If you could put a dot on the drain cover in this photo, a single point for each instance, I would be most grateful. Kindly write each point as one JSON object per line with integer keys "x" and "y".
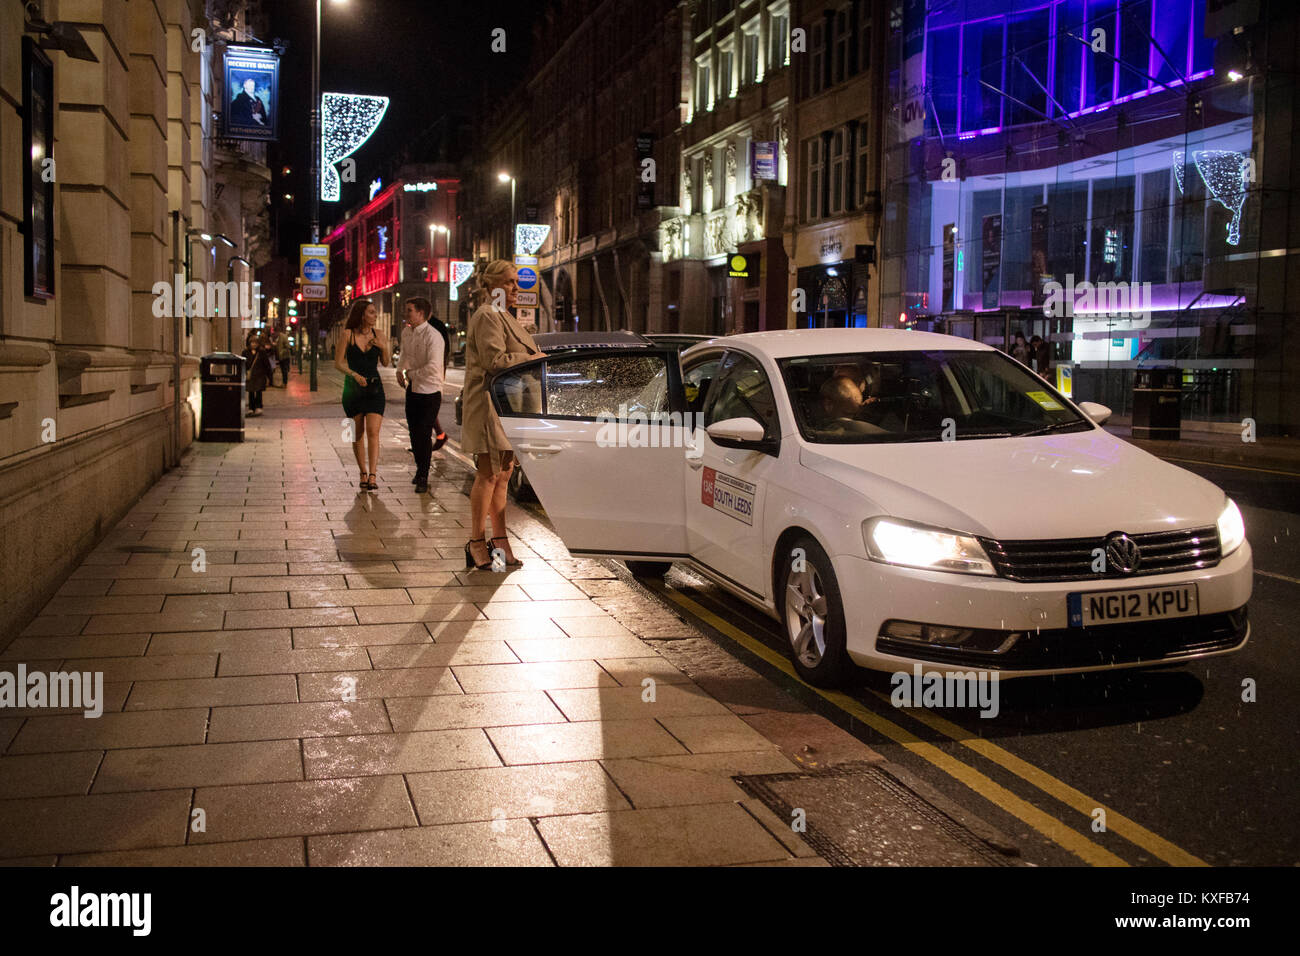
{"x": 858, "y": 815}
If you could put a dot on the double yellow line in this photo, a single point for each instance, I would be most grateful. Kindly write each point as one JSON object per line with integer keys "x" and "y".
{"x": 1046, "y": 824}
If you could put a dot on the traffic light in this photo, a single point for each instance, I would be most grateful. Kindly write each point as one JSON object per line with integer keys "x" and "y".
{"x": 297, "y": 297}
{"x": 293, "y": 320}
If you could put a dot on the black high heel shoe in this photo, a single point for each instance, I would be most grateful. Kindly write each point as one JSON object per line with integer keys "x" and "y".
{"x": 515, "y": 562}
{"x": 469, "y": 557}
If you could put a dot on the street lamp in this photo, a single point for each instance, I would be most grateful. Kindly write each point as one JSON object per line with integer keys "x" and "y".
{"x": 314, "y": 307}
{"x": 206, "y": 238}
{"x": 230, "y": 277}
{"x": 507, "y": 178}
{"x": 434, "y": 229}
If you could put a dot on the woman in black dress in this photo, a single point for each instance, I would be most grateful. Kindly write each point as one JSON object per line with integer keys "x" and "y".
{"x": 257, "y": 366}
{"x": 360, "y": 350}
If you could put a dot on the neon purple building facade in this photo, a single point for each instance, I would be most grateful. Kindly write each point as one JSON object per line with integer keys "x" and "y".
{"x": 1132, "y": 153}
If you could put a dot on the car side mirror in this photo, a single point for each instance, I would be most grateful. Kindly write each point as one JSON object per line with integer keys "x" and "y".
{"x": 1097, "y": 412}
{"x": 736, "y": 430}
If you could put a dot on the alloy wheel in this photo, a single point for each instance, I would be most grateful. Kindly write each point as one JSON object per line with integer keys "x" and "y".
{"x": 805, "y": 615}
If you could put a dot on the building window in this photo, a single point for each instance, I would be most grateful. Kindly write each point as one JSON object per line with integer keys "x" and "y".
{"x": 861, "y": 164}
{"x": 838, "y": 173}
{"x": 816, "y": 166}
{"x": 749, "y": 54}
{"x": 778, "y": 37}
{"x": 720, "y": 183}
{"x": 726, "y": 62}
{"x": 817, "y": 59}
{"x": 864, "y": 36}
{"x": 703, "y": 101}
{"x": 843, "y": 36}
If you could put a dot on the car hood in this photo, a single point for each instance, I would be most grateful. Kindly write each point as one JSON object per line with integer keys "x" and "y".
{"x": 1074, "y": 485}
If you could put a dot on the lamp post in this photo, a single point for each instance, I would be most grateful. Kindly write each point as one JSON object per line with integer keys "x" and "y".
{"x": 313, "y": 308}
{"x": 507, "y": 178}
{"x": 190, "y": 235}
{"x": 230, "y": 277}
{"x": 434, "y": 229}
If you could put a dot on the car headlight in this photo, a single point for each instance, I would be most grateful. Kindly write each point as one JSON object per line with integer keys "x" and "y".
{"x": 918, "y": 546}
{"x": 1232, "y": 530}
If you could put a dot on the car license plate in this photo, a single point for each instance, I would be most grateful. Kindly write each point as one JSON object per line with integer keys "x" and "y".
{"x": 1092, "y": 608}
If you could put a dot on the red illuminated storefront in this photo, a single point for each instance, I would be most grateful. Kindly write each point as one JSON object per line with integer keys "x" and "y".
{"x": 398, "y": 245}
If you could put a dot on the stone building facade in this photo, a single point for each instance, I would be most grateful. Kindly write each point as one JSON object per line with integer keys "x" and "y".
{"x": 833, "y": 214}
{"x": 87, "y": 374}
{"x": 735, "y": 168}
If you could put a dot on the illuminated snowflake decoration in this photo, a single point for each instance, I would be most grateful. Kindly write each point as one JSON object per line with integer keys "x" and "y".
{"x": 460, "y": 271}
{"x": 1224, "y": 173}
{"x": 529, "y": 238}
{"x": 347, "y": 121}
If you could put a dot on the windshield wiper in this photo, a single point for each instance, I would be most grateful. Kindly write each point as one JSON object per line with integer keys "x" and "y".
{"x": 1050, "y": 428}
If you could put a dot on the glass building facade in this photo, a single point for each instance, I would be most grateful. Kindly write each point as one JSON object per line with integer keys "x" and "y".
{"x": 1097, "y": 173}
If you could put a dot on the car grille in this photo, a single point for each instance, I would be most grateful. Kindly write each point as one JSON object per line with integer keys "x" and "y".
{"x": 1071, "y": 559}
{"x": 1133, "y": 643}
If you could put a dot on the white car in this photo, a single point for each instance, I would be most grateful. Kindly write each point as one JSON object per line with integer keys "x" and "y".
{"x": 892, "y": 497}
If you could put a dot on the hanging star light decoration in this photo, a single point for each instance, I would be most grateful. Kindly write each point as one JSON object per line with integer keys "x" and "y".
{"x": 1224, "y": 174}
{"x": 460, "y": 271}
{"x": 529, "y": 237}
{"x": 347, "y": 121}
{"x": 1180, "y": 162}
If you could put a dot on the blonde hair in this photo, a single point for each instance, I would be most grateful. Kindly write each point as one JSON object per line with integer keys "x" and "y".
{"x": 493, "y": 271}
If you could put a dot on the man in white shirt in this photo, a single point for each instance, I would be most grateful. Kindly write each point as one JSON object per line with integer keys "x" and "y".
{"x": 419, "y": 371}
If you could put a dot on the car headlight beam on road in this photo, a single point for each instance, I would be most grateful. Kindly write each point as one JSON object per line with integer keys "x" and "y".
{"x": 1232, "y": 529}
{"x": 917, "y": 546}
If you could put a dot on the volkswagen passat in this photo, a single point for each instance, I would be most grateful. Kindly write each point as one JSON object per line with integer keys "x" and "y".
{"x": 891, "y": 497}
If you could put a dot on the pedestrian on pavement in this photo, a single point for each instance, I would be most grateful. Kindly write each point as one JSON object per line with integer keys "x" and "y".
{"x": 1040, "y": 354}
{"x": 358, "y": 354}
{"x": 495, "y": 340}
{"x": 440, "y": 436}
{"x": 282, "y": 355}
{"x": 420, "y": 372}
{"x": 1020, "y": 349}
{"x": 257, "y": 366}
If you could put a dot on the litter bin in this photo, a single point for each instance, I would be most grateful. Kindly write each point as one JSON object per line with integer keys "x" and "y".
{"x": 1158, "y": 403}
{"x": 221, "y": 376}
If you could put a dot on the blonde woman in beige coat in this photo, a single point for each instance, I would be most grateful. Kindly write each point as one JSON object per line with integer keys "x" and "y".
{"x": 495, "y": 340}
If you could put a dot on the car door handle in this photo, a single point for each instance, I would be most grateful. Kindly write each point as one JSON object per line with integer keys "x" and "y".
{"x": 541, "y": 449}
{"x": 696, "y": 461}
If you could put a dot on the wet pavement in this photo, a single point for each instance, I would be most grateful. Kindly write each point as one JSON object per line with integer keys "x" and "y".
{"x": 296, "y": 672}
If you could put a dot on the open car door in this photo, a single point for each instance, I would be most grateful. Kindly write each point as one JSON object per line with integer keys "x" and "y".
{"x": 603, "y": 436}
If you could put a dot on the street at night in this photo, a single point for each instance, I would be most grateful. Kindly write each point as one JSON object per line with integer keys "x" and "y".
{"x": 649, "y": 434}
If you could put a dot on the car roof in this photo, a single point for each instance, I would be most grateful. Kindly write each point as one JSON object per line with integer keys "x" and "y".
{"x": 548, "y": 341}
{"x": 788, "y": 343}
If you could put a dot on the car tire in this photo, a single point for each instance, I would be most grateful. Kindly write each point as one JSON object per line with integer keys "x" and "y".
{"x": 648, "y": 569}
{"x": 812, "y": 613}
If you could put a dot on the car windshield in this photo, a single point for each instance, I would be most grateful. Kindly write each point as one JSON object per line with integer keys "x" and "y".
{"x": 952, "y": 395}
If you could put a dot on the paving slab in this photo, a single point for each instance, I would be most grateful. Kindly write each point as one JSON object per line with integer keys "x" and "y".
{"x": 334, "y": 687}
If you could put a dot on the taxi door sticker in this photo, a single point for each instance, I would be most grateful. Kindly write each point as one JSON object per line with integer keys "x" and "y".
{"x": 727, "y": 494}
{"x": 1046, "y": 401}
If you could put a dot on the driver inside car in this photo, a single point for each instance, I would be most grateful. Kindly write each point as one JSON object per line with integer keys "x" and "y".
{"x": 842, "y": 404}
